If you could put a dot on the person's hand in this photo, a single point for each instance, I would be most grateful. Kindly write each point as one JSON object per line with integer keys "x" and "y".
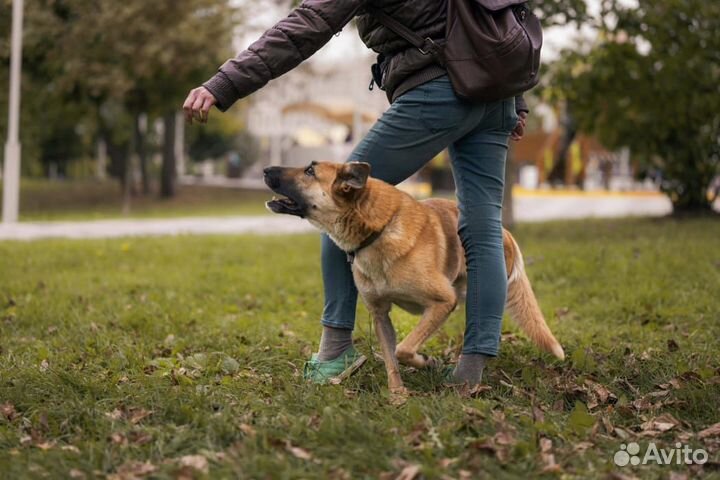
{"x": 197, "y": 105}
{"x": 519, "y": 131}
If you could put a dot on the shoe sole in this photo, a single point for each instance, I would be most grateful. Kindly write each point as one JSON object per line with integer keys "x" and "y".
{"x": 348, "y": 371}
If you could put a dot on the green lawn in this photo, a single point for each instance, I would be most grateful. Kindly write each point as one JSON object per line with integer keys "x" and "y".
{"x": 91, "y": 200}
{"x": 149, "y": 356}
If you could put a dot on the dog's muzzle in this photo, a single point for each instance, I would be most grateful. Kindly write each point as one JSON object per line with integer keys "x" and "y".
{"x": 291, "y": 202}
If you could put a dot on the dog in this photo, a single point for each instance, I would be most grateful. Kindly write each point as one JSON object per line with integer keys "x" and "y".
{"x": 403, "y": 252}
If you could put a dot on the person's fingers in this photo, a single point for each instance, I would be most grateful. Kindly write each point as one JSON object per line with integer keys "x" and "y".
{"x": 197, "y": 107}
{"x": 208, "y": 102}
{"x": 187, "y": 106}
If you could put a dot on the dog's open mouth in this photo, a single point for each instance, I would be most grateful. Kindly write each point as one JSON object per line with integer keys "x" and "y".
{"x": 285, "y": 205}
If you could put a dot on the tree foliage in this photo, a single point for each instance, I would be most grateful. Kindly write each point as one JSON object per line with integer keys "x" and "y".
{"x": 93, "y": 67}
{"x": 652, "y": 83}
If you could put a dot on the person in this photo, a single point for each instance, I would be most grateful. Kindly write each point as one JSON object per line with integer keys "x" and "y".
{"x": 424, "y": 118}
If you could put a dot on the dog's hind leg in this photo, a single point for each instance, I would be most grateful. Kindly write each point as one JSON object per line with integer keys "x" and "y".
{"x": 434, "y": 315}
{"x": 385, "y": 332}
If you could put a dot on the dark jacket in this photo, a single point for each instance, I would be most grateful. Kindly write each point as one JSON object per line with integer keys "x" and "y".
{"x": 312, "y": 24}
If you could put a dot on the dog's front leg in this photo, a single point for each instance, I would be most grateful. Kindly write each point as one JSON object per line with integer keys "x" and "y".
{"x": 380, "y": 312}
{"x": 434, "y": 315}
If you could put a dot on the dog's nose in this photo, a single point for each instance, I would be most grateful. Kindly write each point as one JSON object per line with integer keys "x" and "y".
{"x": 272, "y": 177}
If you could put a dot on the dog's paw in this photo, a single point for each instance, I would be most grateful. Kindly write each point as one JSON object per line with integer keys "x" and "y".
{"x": 399, "y": 396}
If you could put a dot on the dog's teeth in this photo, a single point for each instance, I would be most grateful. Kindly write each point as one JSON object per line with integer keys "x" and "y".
{"x": 274, "y": 197}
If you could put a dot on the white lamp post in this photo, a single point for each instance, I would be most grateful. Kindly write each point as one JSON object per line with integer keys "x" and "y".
{"x": 11, "y": 174}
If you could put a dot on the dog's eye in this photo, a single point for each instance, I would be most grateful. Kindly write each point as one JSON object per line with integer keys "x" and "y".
{"x": 310, "y": 171}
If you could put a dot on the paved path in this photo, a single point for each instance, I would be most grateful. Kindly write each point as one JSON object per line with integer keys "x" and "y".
{"x": 528, "y": 208}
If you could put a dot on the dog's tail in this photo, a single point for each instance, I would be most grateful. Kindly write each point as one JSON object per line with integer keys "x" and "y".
{"x": 523, "y": 306}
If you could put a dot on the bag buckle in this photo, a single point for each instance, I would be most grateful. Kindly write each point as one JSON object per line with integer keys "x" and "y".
{"x": 429, "y": 47}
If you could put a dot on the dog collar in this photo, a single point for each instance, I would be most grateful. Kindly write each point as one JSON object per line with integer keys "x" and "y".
{"x": 365, "y": 243}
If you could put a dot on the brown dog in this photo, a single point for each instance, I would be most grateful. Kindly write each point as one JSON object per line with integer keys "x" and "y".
{"x": 402, "y": 251}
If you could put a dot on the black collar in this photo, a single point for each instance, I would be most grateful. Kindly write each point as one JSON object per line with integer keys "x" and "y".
{"x": 365, "y": 243}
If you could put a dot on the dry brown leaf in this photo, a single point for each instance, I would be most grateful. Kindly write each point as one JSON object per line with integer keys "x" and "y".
{"x": 79, "y": 474}
{"x": 473, "y": 413}
{"x": 70, "y": 448}
{"x": 678, "y": 476}
{"x": 545, "y": 445}
{"x": 133, "y": 471}
{"x": 607, "y": 425}
{"x": 196, "y": 462}
{"x": 582, "y": 446}
{"x": 658, "y": 425}
{"x": 248, "y": 430}
{"x": 711, "y": 431}
{"x": 409, "y": 473}
{"x": 537, "y": 414}
{"x": 504, "y": 438}
{"x": 45, "y": 445}
{"x": 116, "y": 414}
{"x": 298, "y": 452}
{"x": 118, "y": 438}
{"x": 8, "y": 411}
{"x": 137, "y": 415}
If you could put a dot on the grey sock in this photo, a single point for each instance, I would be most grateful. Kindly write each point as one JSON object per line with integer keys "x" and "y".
{"x": 334, "y": 342}
{"x": 470, "y": 368}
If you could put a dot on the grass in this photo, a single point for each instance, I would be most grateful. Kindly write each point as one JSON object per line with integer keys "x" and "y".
{"x": 43, "y": 200}
{"x": 157, "y": 356}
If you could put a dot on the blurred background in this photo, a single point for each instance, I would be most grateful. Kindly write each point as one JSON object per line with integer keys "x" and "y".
{"x": 625, "y": 122}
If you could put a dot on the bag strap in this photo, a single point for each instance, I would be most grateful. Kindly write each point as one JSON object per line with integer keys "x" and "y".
{"x": 426, "y": 45}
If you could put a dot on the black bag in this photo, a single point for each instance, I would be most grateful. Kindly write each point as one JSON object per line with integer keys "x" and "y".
{"x": 491, "y": 49}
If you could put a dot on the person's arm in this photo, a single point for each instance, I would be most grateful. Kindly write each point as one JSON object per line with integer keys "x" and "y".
{"x": 291, "y": 41}
{"x": 522, "y": 110}
{"x": 521, "y": 105}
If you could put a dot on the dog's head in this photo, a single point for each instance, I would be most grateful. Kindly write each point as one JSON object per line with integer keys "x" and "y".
{"x": 320, "y": 192}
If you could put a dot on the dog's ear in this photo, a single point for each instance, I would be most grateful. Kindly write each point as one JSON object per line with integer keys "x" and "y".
{"x": 353, "y": 176}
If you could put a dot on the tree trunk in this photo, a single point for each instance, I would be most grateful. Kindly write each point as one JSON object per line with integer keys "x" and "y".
{"x": 141, "y": 150}
{"x": 688, "y": 181}
{"x": 558, "y": 172}
{"x": 169, "y": 169}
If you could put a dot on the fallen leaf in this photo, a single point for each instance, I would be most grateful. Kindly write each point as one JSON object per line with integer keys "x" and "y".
{"x": 247, "y": 430}
{"x": 116, "y": 414}
{"x": 658, "y": 425}
{"x": 75, "y": 473}
{"x": 712, "y": 431}
{"x": 136, "y": 416}
{"x": 678, "y": 476}
{"x": 409, "y": 473}
{"x": 580, "y": 419}
{"x": 538, "y": 415}
{"x": 8, "y": 411}
{"x": 298, "y": 452}
{"x": 70, "y": 448}
{"x": 133, "y": 471}
{"x": 582, "y": 446}
{"x": 196, "y": 462}
{"x": 547, "y": 457}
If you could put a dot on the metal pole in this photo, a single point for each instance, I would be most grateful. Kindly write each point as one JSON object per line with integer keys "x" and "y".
{"x": 11, "y": 174}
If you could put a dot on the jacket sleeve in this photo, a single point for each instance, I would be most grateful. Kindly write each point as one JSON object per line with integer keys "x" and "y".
{"x": 291, "y": 41}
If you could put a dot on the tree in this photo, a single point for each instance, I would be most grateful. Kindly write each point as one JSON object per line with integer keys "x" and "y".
{"x": 651, "y": 83}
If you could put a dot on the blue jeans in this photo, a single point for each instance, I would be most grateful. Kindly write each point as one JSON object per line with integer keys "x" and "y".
{"x": 418, "y": 126}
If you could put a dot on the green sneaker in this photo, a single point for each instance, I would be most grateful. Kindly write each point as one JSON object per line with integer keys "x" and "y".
{"x": 333, "y": 371}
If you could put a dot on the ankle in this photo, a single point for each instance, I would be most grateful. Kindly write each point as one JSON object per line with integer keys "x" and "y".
{"x": 334, "y": 342}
